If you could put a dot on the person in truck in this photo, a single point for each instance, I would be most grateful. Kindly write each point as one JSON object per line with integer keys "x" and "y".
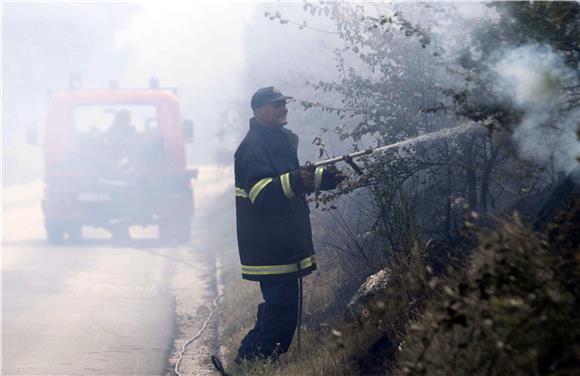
{"x": 273, "y": 224}
{"x": 119, "y": 139}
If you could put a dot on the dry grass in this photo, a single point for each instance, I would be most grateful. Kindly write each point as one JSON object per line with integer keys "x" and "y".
{"x": 330, "y": 345}
{"x": 320, "y": 347}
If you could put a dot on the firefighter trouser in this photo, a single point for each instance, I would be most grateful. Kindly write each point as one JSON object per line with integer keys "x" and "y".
{"x": 276, "y": 321}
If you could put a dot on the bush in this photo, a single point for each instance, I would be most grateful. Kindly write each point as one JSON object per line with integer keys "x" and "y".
{"x": 513, "y": 312}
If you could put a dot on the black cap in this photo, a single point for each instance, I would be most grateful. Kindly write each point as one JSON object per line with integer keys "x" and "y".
{"x": 267, "y": 95}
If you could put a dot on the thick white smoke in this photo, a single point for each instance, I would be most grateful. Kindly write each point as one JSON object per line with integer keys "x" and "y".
{"x": 533, "y": 78}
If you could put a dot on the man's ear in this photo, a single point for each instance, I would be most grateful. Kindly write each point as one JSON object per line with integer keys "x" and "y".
{"x": 259, "y": 112}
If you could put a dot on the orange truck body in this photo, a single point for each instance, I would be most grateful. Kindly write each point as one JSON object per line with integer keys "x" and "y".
{"x": 79, "y": 191}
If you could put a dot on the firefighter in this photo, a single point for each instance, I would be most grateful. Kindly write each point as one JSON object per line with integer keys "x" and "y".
{"x": 273, "y": 224}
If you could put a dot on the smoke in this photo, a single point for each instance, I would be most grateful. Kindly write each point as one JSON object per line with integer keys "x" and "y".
{"x": 197, "y": 47}
{"x": 42, "y": 44}
{"x": 533, "y": 77}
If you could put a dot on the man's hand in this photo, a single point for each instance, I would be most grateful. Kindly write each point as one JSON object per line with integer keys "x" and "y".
{"x": 338, "y": 177}
{"x": 307, "y": 178}
{"x": 335, "y": 177}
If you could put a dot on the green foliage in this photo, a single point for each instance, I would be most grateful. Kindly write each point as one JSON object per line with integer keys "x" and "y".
{"x": 556, "y": 23}
{"x": 511, "y": 312}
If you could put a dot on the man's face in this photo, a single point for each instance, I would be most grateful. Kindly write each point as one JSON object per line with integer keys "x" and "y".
{"x": 273, "y": 114}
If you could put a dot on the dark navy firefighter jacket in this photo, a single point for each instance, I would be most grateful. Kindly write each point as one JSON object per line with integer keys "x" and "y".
{"x": 273, "y": 224}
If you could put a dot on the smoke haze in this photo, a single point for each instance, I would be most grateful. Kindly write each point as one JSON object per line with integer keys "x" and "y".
{"x": 197, "y": 47}
{"x": 532, "y": 77}
{"x": 218, "y": 54}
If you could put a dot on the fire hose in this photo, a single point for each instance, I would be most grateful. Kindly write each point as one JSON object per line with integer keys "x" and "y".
{"x": 199, "y": 333}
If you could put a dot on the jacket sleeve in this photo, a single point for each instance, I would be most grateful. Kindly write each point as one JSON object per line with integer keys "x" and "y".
{"x": 265, "y": 188}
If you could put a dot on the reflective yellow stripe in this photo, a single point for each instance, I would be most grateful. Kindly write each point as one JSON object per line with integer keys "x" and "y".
{"x": 286, "y": 187}
{"x": 241, "y": 193}
{"x": 318, "y": 177}
{"x": 257, "y": 188}
{"x": 278, "y": 269}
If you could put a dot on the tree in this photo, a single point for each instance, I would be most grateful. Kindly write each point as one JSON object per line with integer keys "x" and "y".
{"x": 398, "y": 80}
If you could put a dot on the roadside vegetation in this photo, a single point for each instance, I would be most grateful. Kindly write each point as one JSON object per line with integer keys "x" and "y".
{"x": 514, "y": 309}
{"x": 476, "y": 234}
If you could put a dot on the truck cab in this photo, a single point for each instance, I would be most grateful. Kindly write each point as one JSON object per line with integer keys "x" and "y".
{"x": 115, "y": 158}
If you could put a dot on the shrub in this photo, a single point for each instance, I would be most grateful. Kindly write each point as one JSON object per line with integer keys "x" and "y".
{"x": 513, "y": 312}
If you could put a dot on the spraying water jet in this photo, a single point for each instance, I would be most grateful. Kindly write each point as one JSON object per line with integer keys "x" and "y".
{"x": 348, "y": 158}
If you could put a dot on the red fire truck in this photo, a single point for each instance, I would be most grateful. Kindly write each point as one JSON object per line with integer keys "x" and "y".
{"x": 115, "y": 158}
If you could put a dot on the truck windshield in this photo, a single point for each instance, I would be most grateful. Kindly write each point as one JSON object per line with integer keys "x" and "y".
{"x": 117, "y": 139}
{"x": 103, "y": 118}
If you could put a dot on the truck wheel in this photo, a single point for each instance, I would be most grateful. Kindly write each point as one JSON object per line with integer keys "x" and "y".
{"x": 54, "y": 232}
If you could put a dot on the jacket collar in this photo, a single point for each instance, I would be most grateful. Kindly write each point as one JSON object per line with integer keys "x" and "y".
{"x": 255, "y": 125}
{"x": 274, "y": 133}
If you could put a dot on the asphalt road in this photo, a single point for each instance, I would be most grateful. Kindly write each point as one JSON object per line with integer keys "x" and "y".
{"x": 99, "y": 309}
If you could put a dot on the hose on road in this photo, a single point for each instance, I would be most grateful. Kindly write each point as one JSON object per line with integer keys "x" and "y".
{"x": 203, "y": 328}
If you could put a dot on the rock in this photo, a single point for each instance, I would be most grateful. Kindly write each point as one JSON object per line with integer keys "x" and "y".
{"x": 367, "y": 294}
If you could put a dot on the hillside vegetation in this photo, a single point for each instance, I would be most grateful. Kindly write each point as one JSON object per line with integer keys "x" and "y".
{"x": 475, "y": 234}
